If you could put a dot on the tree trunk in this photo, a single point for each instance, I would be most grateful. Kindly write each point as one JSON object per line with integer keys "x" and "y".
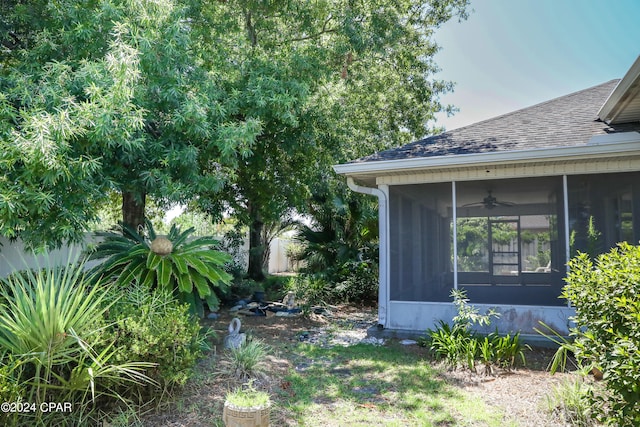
{"x": 133, "y": 210}
{"x": 256, "y": 245}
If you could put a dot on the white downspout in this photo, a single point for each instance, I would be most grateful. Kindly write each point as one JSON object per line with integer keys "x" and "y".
{"x": 567, "y": 233}
{"x": 454, "y": 198}
{"x": 383, "y": 224}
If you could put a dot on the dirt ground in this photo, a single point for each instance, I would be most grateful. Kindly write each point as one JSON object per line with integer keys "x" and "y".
{"x": 521, "y": 393}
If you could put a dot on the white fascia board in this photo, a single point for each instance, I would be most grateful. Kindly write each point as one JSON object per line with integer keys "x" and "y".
{"x": 613, "y": 145}
{"x": 612, "y": 107}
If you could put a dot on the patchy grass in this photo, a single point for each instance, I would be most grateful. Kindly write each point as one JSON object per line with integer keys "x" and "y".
{"x": 370, "y": 385}
{"x": 316, "y": 385}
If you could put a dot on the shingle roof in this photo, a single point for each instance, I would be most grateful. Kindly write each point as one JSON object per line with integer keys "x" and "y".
{"x": 570, "y": 120}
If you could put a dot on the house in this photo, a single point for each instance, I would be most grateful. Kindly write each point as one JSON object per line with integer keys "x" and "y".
{"x": 510, "y": 199}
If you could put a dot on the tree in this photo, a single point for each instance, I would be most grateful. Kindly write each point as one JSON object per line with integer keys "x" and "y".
{"x": 101, "y": 96}
{"x": 328, "y": 81}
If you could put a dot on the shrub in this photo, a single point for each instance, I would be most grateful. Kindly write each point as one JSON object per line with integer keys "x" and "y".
{"x": 52, "y": 344}
{"x": 151, "y": 326}
{"x": 606, "y": 297}
{"x": 245, "y": 362}
{"x": 341, "y": 248}
{"x": 358, "y": 282}
{"x": 10, "y": 388}
{"x": 310, "y": 290}
{"x": 459, "y": 345}
{"x": 189, "y": 268}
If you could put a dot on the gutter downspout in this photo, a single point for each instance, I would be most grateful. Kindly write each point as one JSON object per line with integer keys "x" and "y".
{"x": 383, "y": 246}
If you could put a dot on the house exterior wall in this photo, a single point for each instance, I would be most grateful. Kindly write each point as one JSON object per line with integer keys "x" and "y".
{"x": 421, "y": 259}
{"x": 418, "y": 316}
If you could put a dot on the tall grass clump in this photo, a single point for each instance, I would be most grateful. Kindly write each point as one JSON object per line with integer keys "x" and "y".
{"x": 567, "y": 401}
{"x": 245, "y": 362}
{"x": 52, "y": 346}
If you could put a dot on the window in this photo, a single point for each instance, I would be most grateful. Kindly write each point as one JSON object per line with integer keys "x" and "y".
{"x": 508, "y": 241}
{"x": 420, "y": 242}
{"x": 601, "y": 209}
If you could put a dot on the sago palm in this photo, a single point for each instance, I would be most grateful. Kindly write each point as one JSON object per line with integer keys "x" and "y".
{"x": 190, "y": 268}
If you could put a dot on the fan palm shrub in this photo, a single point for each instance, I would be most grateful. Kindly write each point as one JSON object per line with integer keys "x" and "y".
{"x": 189, "y": 268}
{"x": 52, "y": 346}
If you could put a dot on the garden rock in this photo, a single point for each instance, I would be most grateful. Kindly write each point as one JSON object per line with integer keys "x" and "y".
{"x": 235, "y": 339}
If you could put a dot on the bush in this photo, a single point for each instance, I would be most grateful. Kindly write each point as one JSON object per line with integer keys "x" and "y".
{"x": 310, "y": 290}
{"x": 52, "y": 346}
{"x": 151, "y": 326}
{"x": 460, "y": 345}
{"x": 606, "y": 296}
{"x": 358, "y": 282}
{"x": 341, "y": 249}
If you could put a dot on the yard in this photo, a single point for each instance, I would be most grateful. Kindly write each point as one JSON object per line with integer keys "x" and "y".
{"x": 318, "y": 375}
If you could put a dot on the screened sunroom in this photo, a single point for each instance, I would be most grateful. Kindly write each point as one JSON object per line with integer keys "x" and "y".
{"x": 497, "y": 208}
{"x": 507, "y": 241}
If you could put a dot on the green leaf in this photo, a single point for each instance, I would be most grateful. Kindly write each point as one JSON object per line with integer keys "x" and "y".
{"x": 185, "y": 283}
{"x": 213, "y": 301}
{"x": 164, "y": 273}
{"x": 153, "y": 260}
{"x": 201, "y": 284}
{"x": 149, "y": 278}
{"x": 180, "y": 263}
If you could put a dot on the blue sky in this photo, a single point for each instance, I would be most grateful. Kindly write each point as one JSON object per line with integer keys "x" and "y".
{"x": 511, "y": 54}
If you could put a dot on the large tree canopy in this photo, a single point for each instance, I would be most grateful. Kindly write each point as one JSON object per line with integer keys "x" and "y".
{"x": 328, "y": 80}
{"x": 104, "y": 95}
{"x": 240, "y": 104}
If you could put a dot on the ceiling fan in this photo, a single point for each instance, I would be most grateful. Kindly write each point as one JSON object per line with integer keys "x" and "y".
{"x": 489, "y": 202}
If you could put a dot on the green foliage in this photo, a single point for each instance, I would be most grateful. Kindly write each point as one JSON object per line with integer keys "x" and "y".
{"x": 565, "y": 348}
{"x": 605, "y": 293}
{"x": 245, "y": 362}
{"x": 358, "y": 282}
{"x": 459, "y": 345}
{"x": 52, "y": 344}
{"x": 247, "y": 397}
{"x": 310, "y": 290}
{"x": 585, "y": 237}
{"x": 151, "y": 326}
{"x": 472, "y": 244}
{"x": 468, "y": 315}
{"x": 569, "y": 403}
{"x": 328, "y": 81}
{"x": 193, "y": 271}
{"x": 341, "y": 250}
{"x": 10, "y": 388}
{"x": 455, "y": 344}
{"x": 110, "y": 95}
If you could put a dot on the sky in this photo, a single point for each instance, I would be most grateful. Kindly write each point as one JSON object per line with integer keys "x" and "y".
{"x": 512, "y": 54}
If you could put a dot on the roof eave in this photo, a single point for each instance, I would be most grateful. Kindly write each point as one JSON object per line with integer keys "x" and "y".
{"x": 602, "y": 145}
{"x": 626, "y": 89}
